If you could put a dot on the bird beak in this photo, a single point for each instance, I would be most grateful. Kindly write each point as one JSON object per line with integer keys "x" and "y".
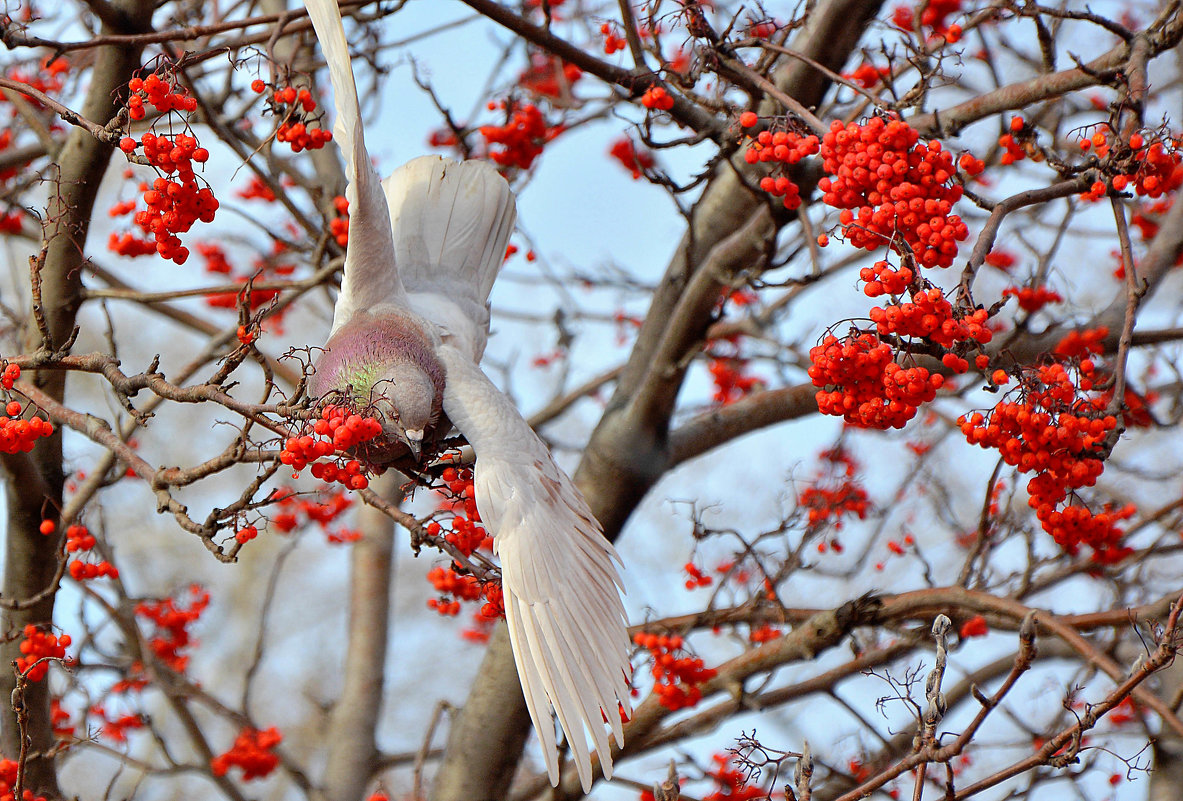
{"x": 414, "y": 440}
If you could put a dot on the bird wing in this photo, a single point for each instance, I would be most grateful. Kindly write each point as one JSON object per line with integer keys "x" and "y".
{"x": 558, "y": 573}
{"x": 371, "y": 277}
{"x": 451, "y": 221}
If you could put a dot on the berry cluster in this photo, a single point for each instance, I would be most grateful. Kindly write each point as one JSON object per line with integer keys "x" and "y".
{"x": 215, "y": 258}
{"x": 731, "y": 783}
{"x": 323, "y": 511}
{"x": 931, "y": 316}
{"x": 18, "y": 435}
{"x": 728, "y": 368}
{"x": 1160, "y": 171}
{"x": 869, "y": 389}
{"x": 466, "y": 533}
{"x": 520, "y": 140}
{"x": 453, "y": 588}
{"x": 162, "y": 95}
{"x": 1154, "y": 170}
{"x": 1079, "y": 344}
{"x": 336, "y": 432}
{"x": 40, "y": 645}
{"x": 79, "y": 540}
{"x": 764, "y": 633}
{"x": 888, "y": 185}
{"x": 59, "y": 720}
{"x": 549, "y": 76}
{"x": 612, "y": 42}
{"x": 833, "y": 504}
{"x": 635, "y": 161}
{"x": 172, "y": 621}
{"x": 657, "y": 98}
{"x": 880, "y": 279}
{"x": 1053, "y": 433}
{"x": 11, "y": 373}
{"x": 295, "y": 129}
{"x": 251, "y": 752}
{"x": 256, "y": 189}
{"x": 116, "y": 728}
{"x": 868, "y": 76}
{"x": 696, "y": 578}
{"x": 174, "y": 201}
{"x": 783, "y": 149}
{"x": 678, "y": 678}
{"x": 1033, "y": 298}
{"x": 933, "y": 15}
{"x": 9, "y": 769}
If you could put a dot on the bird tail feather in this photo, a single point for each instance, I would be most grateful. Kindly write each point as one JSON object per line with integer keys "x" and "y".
{"x": 452, "y": 221}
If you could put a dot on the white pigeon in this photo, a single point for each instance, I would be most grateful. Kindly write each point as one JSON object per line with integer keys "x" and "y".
{"x": 409, "y": 328}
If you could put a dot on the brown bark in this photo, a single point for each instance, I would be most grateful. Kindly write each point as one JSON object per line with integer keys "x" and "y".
{"x": 35, "y": 482}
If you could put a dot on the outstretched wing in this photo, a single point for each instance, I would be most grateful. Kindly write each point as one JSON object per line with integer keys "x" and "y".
{"x": 371, "y": 277}
{"x": 452, "y": 221}
{"x": 560, "y": 583}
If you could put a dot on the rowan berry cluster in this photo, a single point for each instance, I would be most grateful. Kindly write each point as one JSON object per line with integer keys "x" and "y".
{"x": 635, "y": 161}
{"x": 162, "y": 95}
{"x": 40, "y": 645}
{"x": 764, "y": 633}
{"x": 1018, "y": 142}
{"x": 657, "y": 98}
{"x": 465, "y": 532}
{"x": 869, "y": 389}
{"x": 826, "y": 505}
{"x": 171, "y": 621}
{"x": 868, "y": 76}
{"x": 696, "y": 578}
{"x": 18, "y": 435}
{"x": 1160, "y": 171}
{"x": 1057, "y": 435}
{"x": 1033, "y": 298}
{"x": 251, "y": 752}
{"x": 933, "y": 15}
{"x": 215, "y": 258}
{"x": 731, "y": 783}
{"x": 678, "y": 678}
{"x": 292, "y": 107}
{"x": 116, "y": 728}
{"x": 59, "y": 721}
{"x": 521, "y": 139}
{"x": 1079, "y": 344}
{"x": 931, "y": 316}
{"x": 80, "y": 540}
{"x": 453, "y": 588}
{"x": 332, "y": 435}
{"x": 612, "y": 42}
{"x": 782, "y": 149}
{"x": 881, "y": 279}
{"x": 12, "y": 372}
{"x": 174, "y": 201}
{"x": 9, "y": 769}
{"x": 549, "y": 76}
{"x": 297, "y": 510}
{"x": 888, "y": 184}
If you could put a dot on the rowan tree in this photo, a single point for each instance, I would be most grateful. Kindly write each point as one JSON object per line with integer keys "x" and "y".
{"x": 870, "y": 370}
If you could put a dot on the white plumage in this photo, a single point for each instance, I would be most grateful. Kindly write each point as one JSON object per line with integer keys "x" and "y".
{"x": 424, "y": 248}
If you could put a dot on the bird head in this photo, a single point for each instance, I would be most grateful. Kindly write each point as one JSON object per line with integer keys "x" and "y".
{"x": 385, "y": 366}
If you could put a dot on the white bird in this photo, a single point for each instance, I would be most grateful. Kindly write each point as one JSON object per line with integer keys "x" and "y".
{"x": 409, "y": 328}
